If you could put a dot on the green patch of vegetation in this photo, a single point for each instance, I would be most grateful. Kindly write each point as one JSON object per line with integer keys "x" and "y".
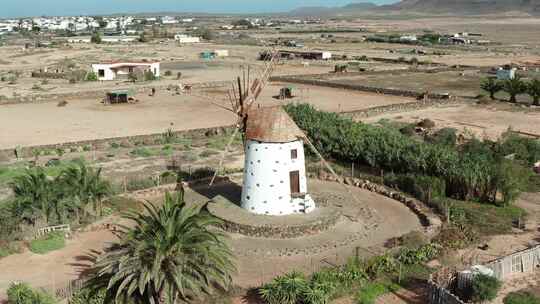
{"x": 167, "y": 150}
{"x": 478, "y": 170}
{"x": 142, "y": 152}
{"x": 485, "y": 288}
{"x": 208, "y": 153}
{"x": 521, "y": 298}
{"x": 371, "y": 291}
{"x": 50, "y": 242}
{"x": 122, "y": 204}
{"x": 8, "y": 249}
{"x": 88, "y": 296}
{"x": 22, "y": 293}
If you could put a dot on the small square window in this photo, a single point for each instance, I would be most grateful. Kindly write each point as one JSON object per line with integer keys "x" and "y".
{"x": 294, "y": 154}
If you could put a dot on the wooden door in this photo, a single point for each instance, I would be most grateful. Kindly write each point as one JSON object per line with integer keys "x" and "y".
{"x": 295, "y": 181}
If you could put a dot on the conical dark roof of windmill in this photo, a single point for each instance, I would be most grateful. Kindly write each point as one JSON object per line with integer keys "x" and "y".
{"x": 271, "y": 125}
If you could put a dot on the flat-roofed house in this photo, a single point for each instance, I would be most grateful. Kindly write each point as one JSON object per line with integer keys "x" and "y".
{"x": 121, "y": 69}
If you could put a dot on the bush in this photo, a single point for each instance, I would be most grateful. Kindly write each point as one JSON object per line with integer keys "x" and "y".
{"x": 445, "y": 136}
{"x": 50, "y": 242}
{"x": 521, "y": 298}
{"x": 287, "y": 289}
{"x": 91, "y": 76}
{"x": 142, "y": 152}
{"x": 485, "y": 288}
{"x": 423, "y": 254}
{"x": 168, "y": 73}
{"x": 149, "y": 76}
{"x": 87, "y": 296}
{"x": 96, "y": 38}
{"x": 22, "y": 293}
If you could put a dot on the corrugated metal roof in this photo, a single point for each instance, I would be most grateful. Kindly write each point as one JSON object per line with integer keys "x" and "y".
{"x": 272, "y": 125}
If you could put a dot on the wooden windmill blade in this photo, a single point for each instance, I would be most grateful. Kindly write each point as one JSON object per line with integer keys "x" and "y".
{"x": 242, "y": 96}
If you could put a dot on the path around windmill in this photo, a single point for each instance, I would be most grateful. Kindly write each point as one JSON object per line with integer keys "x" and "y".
{"x": 57, "y": 268}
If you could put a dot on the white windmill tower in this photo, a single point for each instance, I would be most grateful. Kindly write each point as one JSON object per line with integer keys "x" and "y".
{"x": 274, "y": 172}
{"x": 274, "y": 180}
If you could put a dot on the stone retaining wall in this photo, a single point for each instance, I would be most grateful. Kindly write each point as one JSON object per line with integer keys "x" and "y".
{"x": 99, "y": 144}
{"x": 332, "y": 75}
{"x": 354, "y": 87}
{"x": 283, "y": 232}
{"x": 403, "y": 107}
{"x": 138, "y": 89}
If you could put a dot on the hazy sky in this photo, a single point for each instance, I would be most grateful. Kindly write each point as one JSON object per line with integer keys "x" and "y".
{"x": 16, "y": 8}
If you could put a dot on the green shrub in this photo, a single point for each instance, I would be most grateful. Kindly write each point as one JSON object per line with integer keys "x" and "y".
{"x": 423, "y": 254}
{"x": 140, "y": 184}
{"x": 287, "y": 289}
{"x": 87, "y": 296}
{"x": 168, "y": 73}
{"x": 371, "y": 291}
{"x": 445, "y": 136}
{"x": 485, "y": 288}
{"x": 521, "y": 298}
{"x": 142, "y": 152}
{"x": 91, "y": 76}
{"x": 9, "y": 248}
{"x": 22, "y": 293}
{"x": 50, "y": 242}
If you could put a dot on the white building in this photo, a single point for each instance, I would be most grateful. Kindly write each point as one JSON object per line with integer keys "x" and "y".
{"x": 121, "y": 70}
{"x": 117, "y": 39}
{"x": 221, "y": 53}
{"x": 183, "y": 38}
{"x": 275, "y": 180}
{"x": 408, "y": 38}
{"x": 506, "y": 73}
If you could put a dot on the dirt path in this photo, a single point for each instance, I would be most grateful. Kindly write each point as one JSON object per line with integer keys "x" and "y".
{"x": 53, "y": 270}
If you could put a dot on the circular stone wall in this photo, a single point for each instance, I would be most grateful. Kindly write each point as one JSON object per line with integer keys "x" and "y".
{"x": 238, "y": 220}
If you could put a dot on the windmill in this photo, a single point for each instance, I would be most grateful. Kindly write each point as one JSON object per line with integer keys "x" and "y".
{"x": 274, "y": 177}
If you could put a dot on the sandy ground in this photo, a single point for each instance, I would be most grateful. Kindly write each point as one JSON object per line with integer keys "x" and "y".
{"x": 45, "y": 123}
{"x": 483, "y": 121}
{"x": 57, "y": 268}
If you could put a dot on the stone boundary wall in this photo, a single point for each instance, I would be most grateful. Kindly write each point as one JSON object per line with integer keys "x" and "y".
{"x": 51, "y": 97}
{"x": 332, "y": 75}
{"x": 98, "y": 144}
{"x": 402, "y": 107}
{"x": 49, "y": 75}
{"x": 353, "y": 87}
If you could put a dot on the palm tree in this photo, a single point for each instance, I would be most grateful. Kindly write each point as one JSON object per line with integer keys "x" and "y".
{"x": 514, "y": 87}
{"x": 86, "y": 184}
{"x": 172, "y": 253}
{"x": 533, "y": 89}
{"x": 33, "y": 195}
{"x": 492, "y": 86}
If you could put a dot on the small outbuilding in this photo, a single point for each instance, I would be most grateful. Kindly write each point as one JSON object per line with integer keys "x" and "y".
{"x": 118, "y": 96}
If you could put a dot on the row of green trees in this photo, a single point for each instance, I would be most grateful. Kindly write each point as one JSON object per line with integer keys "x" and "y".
{"x": 477, "y": 170}
{"x": 513, "y": 87}
{"x": 74, "y": 195}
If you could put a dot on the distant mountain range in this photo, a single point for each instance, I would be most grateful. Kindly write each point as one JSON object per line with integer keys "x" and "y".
{"x": 323, "y": 10}
{"x": 458, "y": 7}
{"x": 468, "y": 7}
